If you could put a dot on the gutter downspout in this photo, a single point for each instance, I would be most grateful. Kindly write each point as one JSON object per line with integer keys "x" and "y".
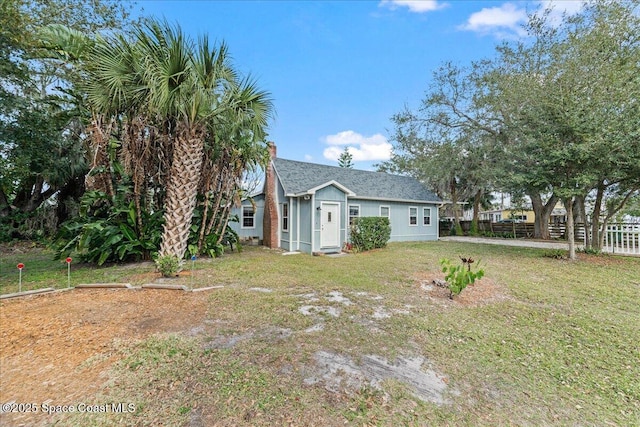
{"x": 441, "y": 204}
{"x": 347, "y": 227}
{"x": 297, "y": 223}
{"x": 313, "y": 222}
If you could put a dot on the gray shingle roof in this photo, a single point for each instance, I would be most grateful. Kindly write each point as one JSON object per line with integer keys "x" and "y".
{"x": 300, "y": 177}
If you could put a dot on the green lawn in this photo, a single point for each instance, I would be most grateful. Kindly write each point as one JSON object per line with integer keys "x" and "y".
{"x": 562, "y": 347}
{"x": 42, "y": 271}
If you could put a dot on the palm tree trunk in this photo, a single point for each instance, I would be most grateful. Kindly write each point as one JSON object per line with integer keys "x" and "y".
{"x": 182, "y": 189}
{"x": 100, "y": 133}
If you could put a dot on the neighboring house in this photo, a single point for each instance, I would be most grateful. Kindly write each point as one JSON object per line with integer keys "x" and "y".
{"x": 308, "y": 207}
{"x": 498, "y": 215}
{"x": 558, "y": 215}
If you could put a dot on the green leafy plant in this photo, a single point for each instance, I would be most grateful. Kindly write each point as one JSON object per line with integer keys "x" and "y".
{"x": 107, "y": 230}
{"x": 370, "y": 233}
{"x": 460, "y": 276}
{"x": 590, "y": 251}
{"x": 213, "y": 244}
{"x": 555, "y": 253}
{"x": 169, "y": 265}
{"x": 473, "y": 229}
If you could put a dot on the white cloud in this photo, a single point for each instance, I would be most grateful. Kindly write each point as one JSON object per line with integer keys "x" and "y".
{"x": 308, "y": 157}
{"x": 362, "y": 148}
{"x": 417, "y": 6}
{"x": 490, "y": 19}
{"x": 559, "y": 8}
{"x": 507, "y": 20}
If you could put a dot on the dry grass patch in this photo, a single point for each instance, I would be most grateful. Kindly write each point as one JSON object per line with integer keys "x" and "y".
{"x": 537, "y": 341}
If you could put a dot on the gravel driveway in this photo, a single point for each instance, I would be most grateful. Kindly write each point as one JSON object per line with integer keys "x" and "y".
{"x": 510, "y": 242}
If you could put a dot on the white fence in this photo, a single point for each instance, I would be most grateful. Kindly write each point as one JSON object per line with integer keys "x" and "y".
{"x": 622, "y": 239}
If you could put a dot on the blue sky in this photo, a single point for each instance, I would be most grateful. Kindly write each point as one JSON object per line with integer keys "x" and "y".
{"x": 338, "y": 70}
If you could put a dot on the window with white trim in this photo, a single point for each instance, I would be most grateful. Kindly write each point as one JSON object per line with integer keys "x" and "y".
{"x": 248, "y": 217}
{"x": 426, "y": 216}
{"x": 354, "y": 212}
{"x": 413, "y": 216}
{"x": 285, "y": 217}
{"x": 385, "y": 211}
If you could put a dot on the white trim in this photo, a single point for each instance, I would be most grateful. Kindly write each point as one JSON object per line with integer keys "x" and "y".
{"x": 335, "y": 183}
{"x": 337, "y": 205}
{"x": 242, "y": 226}
{"x": 352, "y": 195}
{"x": 285, "y": 230}
{"x": 349, "y": 212}
{"x": 347, "y": 226}
{"x": 424, "y": 216}
{"x": 409, "y": 218}
{"x": 313, "y": 222}
{"x": 297, "y": 223}
{"x": 391, "y": 199}
{"x": 380, "y": 211}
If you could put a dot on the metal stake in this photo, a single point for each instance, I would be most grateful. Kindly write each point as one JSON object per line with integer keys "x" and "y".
{"x": 69, "y": 272}
{"x": 193, "y": 263}
{"x": 20, "y": 267}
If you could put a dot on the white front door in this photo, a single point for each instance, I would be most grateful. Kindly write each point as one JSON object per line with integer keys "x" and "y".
{"x": 330, "y": 225}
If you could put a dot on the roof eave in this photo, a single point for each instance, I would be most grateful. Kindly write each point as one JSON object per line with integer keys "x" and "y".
{"x": 390, "y": 199}
{"x": 315, "y": 189}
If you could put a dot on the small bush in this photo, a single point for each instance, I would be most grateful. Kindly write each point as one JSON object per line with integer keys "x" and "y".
{"x": 459, "y": 276}
{"x": 168, "y": 265}
{"x": 473, "y": 229}
{"x": 590, "y": 251}
{"x": 370, "y": 233}
{"x": 555, "y": 253}
{"x": 456, "y": 230}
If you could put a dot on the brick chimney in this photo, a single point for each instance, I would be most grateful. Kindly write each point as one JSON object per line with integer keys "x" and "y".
{"x": 270, "y": 219}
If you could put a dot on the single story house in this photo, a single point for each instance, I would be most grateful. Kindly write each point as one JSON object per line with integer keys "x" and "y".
{"x": 308, "y": 207}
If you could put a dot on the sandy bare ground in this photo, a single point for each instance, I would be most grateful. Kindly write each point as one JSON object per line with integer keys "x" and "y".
{"x": 58, "y": 348}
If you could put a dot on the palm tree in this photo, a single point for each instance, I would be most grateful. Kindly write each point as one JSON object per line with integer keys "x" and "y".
{"x": 185, "y": 84}
{"x": 235, "y": 145}
{"x": 159, "y": 82}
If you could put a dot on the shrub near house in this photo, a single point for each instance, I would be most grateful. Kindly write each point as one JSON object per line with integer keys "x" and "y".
{"x": 370, "y": 232}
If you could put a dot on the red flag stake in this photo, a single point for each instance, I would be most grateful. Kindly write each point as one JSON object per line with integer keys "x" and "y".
{"x": 20, "y": 267}
{"x": 69, "y": 272}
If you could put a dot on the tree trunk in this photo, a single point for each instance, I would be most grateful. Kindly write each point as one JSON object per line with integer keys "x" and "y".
{"x": 597, "y": 239}
{"x": 72, "y": 191}
{"x": 99, "y": 140}
{"x": 30, "y": 195}
{"x": 542, "y": 212}
{"x": 582, "y": 215}
{"x": 571, "y": 237}
{"x": 477, "y": 198}
{"x": 454, "y": 205}
{"x": 182, "y": 189}
{"x": 5, "y": 209}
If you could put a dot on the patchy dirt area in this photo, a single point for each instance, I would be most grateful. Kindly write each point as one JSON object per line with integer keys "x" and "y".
{"x": 483, "y": 291}
{"x": 339, "y": 372}
{"x": 59, "y": 347}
